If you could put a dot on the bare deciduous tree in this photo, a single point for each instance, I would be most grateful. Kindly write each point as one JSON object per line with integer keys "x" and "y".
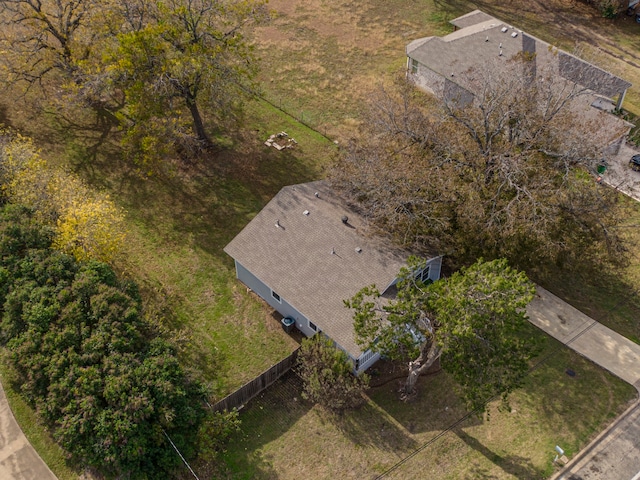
{"x": 509, "y": 174}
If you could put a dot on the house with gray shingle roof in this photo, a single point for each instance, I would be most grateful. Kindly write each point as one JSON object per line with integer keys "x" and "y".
{"x": 444, "y": 66}
{"x": 307, "y": 251}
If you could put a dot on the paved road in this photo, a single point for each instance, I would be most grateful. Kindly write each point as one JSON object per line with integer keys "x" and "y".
{"x": 615, "y": 453}
{"x": 615, "y": 456}
{"x": 18, "y": 459}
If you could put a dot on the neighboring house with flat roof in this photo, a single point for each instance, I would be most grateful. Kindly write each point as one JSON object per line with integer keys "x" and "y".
{"x": 444, "y": 66}
{"x": 307, "y": 251}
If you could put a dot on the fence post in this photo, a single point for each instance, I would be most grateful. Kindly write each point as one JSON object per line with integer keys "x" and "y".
{"x": 262, "y": 382}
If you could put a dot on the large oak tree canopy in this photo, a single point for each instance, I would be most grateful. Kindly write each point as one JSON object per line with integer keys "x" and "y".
{"x": 162, "y": 71}
{"x": 473, "y": 321}
{"x": 510, "y": 174}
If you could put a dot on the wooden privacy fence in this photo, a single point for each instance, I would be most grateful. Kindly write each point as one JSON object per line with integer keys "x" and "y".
{"x": 250, "y": 389}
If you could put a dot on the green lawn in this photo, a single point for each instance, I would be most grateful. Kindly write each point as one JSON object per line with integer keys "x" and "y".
{"x": 285, "y": 437}
{"x": 178, "y": 226}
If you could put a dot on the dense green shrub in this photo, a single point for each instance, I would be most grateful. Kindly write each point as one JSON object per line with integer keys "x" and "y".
{"x": 327, "y": 375}
{"x": 84, "y": 356}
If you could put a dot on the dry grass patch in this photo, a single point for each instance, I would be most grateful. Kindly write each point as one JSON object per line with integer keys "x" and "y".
{"x": 433, "y": 437}
{"x": 320, "y": 60}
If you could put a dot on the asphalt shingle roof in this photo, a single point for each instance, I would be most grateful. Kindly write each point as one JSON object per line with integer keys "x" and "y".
{"x": 480, "y": 40}
{"x": 315, "y": 261}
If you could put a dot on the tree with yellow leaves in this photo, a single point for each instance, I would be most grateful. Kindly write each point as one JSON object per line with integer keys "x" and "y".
{"x": 88, "y": 225}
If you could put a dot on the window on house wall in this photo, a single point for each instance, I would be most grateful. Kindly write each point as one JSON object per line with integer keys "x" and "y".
{"x": 312, "y": 326}
{"x": 423, "y": 276}
{"x": 414, "y": 65}
{"x": 276, "y": 296}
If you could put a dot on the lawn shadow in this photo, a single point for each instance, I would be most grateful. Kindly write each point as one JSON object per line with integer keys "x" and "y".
{"x": 368, "y": 426}
{"x": 203, "y": 362}
{"x": 435, "y": 407}
{"x": 264, "y": 419}
{"x": 5, "y": 121}
{"x": 571, "y": 396}
{"x": 520, "y": 467}
{"x": 206, "y": 200}
{"x": 606, "y": 296}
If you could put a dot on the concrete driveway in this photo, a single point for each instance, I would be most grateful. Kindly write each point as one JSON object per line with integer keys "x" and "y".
{"x": 18, "y": 459}
{"x": 615, "y": 453}
{"x": 620, "y": 176}
{"x": 589, "y": 338}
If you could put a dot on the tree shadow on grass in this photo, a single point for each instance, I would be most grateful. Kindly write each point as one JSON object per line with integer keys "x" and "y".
{"x": 273, "y": 413}
{"x": 435, "y": 408}
{"x": 519, "y": 467}
{"x": 606, "y": 296}
{"x": 368, "y": 426}
{"x": 204, "y": 201}
{"x": 264, "y": 419}
{"x": 572, "y": 397}
{"x": 5, "y": 121}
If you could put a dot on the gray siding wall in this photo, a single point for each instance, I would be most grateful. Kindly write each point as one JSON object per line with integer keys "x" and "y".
{"x": 285, "y": 309}
{"x": 264, "y": 291}
{"x": 427, "y": 79}
{"x": 435, "y": 265}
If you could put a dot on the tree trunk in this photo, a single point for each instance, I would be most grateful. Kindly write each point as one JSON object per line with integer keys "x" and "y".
{"x": 429, "y": 353}
{"x": 198, "y": 124}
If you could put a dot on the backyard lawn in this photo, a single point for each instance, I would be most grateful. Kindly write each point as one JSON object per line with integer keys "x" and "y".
{"x": 433, "y": 437}
{"x": 178, "y": 226}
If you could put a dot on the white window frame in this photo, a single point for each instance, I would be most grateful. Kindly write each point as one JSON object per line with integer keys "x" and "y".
{"x": 413, "y": 65}
{"x": 424, "y": 274}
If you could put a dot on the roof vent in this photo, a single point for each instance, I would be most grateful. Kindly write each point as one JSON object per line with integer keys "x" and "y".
{"x": 504, "y": 29}
{"x": 500, "y": 54}
{"x": 486, "y": 39}
{"x": 514, "y": 34}
{"x": 278, "y": 224}
{"x": 345, "y": 219}
{"x": 306, "y": 212}
{"x": 358, "y": 249}
{"x": 333, "y": 251}
{"x": 317, "y": 195}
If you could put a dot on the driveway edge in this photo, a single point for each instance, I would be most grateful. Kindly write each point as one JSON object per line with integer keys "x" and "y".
{"x": 18, "y": 459}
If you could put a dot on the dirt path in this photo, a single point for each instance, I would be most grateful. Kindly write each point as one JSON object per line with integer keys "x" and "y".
{"x": 18, "y": 459}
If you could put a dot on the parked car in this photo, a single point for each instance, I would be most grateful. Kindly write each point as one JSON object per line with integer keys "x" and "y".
{"x": 634, "y": 163}
{"x": 633, "y": 10}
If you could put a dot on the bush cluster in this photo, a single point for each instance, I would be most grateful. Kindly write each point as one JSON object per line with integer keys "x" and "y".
{"x": 106, "y": 384}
